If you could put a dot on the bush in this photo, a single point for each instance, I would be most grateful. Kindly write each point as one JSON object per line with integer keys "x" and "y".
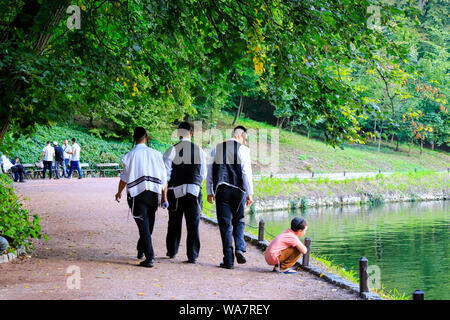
{"x": 93, "y": 149}
{"x": 15, "y": 224}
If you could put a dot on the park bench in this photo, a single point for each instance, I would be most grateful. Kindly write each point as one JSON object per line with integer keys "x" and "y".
{"x": 29, "y": 169}
{"x": 108, "y": 167}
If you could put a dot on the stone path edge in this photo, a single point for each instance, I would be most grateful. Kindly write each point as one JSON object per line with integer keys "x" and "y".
{"x": 315, "y": 270}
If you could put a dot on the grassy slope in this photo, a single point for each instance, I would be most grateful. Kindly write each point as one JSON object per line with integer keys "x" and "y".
{"x": 300, "y": 154}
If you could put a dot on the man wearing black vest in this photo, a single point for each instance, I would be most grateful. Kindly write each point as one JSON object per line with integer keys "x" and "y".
{"x": 229, "y": 183}
{"x": 186, "y": 169}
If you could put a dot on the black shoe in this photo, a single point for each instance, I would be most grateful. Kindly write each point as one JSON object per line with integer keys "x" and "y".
{"x": 193, "y": 261}
{"x": 226, "y": 266}
{"x": 171, "y": 256}
{"x": 22, "y": 181}
{"x": 240, "y": 257}
{"x": 140, "y": 254}
{"x": 79, "y": 177}
{"x": 148, "y": 263}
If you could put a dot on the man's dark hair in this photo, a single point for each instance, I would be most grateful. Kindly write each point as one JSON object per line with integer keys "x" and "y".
{"x": 185, "y": 125}
{"x": 15, "y": 158}
{"x": 48, "y": 142}
{"x": 240, "y": 127}
{"x": 139, "y": 133}
{"x": 298, "y": 224}
{"x": 74, "y": 140}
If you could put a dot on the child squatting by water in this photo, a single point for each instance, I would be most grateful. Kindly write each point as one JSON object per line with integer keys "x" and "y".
{"x": 284, "y": 251}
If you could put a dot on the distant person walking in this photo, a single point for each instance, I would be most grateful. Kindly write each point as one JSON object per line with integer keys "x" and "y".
{"x": 186, "y": 169}
{"x": 59, "y": 160}
{"x": 47, "y": 155}
{"x": 75, "y": 161}
{"x": 229, "y": 182}
{"x": 67, "y": 156}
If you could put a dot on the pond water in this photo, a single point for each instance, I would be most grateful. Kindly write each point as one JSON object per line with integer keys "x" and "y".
{"x": 408, "y": 242}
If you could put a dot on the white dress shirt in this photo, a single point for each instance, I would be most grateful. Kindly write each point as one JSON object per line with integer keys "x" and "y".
{"x": 76, "y": 152}
{"x": 49, "y": 153}
{"x": 180, "y": 191}
{"x": 6, "y": 164}
{"x": 143, "y": 169}
{"x": 67, "y": 151}
{"x": 246, "y": 166}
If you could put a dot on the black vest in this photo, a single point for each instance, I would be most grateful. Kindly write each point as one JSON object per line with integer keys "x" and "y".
{"x": 59, "y": 154}
{"x": 227, "y": 165}
{"x": 186, "y": 165}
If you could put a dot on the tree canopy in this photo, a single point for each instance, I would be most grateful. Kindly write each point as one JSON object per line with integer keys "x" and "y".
{"x": 150, "y": 62}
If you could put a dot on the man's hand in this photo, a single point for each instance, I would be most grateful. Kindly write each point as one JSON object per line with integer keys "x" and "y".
{"x": 249, "y": 200}
{"x": 211, "y": 198}
{"x": 118, "y": 196}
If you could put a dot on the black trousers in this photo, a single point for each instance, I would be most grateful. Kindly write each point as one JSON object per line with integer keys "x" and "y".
{"x": 144, "y": 209}
{"x": 58, "y": 164}
{"x": 18, "y": 172}
{"x": 190, "y": 206}
{"x": 47, "y": 165}
{"x": 230, "y": 206}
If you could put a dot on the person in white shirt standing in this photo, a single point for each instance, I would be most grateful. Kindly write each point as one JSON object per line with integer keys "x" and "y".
{"x": 67, "y": 156}
{"x": 47, "y": 155}
{"x": 186, "y": 169}
{"x": 75, "y": 161}
{"x": 229, "y": 182}
{"x": 144, "y": 176}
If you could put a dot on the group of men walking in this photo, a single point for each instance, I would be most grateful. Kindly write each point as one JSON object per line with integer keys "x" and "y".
{"x": 60, "y": 157}
{"x": 174, "y": 181}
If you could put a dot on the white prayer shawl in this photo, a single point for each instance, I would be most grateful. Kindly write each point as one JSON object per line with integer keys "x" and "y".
{"x": 143, "y": 169}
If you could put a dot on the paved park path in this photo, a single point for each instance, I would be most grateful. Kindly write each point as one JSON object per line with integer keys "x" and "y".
{"x": 88, "y": 229}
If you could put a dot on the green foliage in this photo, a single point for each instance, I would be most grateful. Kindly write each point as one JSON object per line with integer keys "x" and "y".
{"x": 93, "y": 149}
{"x": 15, "y": 222}
{"x": 145, "y": 62}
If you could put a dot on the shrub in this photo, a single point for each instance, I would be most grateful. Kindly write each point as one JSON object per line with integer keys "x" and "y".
{"x": 15, "y": 224}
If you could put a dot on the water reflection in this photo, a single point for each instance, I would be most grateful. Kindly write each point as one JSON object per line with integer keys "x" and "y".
{"x": 408, "y": 241}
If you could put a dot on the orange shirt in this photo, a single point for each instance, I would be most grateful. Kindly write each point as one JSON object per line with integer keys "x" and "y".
{"x": 284, "y": 240}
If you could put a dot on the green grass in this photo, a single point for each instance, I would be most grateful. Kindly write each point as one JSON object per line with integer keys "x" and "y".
{"x": 401, "y": 184}
{"x": 300, "y": 154}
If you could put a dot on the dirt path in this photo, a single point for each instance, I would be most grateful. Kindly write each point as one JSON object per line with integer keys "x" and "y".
{"x": 89, "y": 230}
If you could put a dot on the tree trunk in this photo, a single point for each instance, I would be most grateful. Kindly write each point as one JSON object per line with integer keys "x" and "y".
{"x": 432, "y": 145}
{"x": 421, "y": 147}
{"x": 26, "y": 21}
{"x": 396, "y": 147}
{"x": 410, "y": 146}
{"x": 4, "y": 123}
{"x": 379, "y": 138}
{"x": 239, "y": 111}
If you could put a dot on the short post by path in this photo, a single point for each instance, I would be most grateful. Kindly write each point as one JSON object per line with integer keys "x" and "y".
{"x": 305, "y": 260}
{"x": 418, "y": 295}
{"x": 363, "y": 275}
{"x": 261, "y": 230}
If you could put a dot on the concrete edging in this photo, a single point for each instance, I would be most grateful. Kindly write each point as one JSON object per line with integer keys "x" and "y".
{"x": 327, "y": 276}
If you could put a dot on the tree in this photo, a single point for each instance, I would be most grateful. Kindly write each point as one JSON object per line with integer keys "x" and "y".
{"x": 147, "y": 61}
